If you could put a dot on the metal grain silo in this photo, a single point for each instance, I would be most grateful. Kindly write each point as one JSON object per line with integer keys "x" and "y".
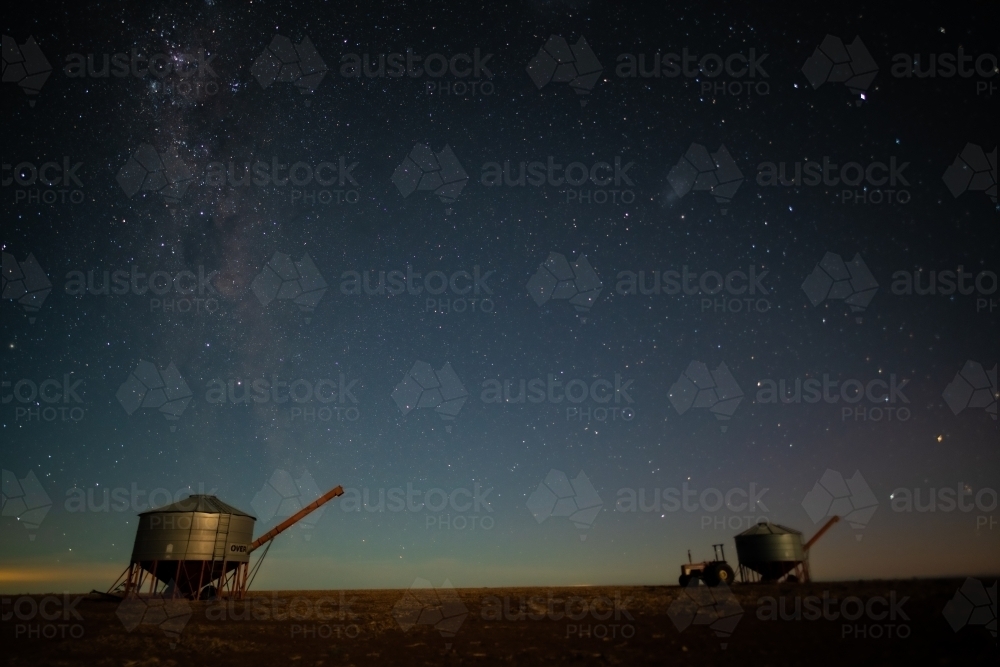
{"x": 190, "y": 544}
{"x": 770, "y": 550}
{"x": 199, "y": 547}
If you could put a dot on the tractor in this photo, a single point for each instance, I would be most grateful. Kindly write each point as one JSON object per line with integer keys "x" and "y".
{"x": 712, "y": 572}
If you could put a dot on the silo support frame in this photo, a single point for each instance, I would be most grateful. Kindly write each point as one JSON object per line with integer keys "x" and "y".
{"x": 800, "y": 572}
{"x": 233, "y": 585}
{"x": 748, "y": 576}
{"x": 135, "y": 578}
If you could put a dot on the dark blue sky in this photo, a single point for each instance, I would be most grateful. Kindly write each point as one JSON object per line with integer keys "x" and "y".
{"x": 344, "y": 355}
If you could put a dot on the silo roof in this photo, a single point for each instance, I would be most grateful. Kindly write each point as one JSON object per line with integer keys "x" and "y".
{"x": 199, "y": 503}
{"x": 769, "y": 529}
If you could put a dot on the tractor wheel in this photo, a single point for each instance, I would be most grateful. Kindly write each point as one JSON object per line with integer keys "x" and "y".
{"x": 711, "y": 575}
{"x": 684, "y": 580}
{"x": 724, "y": 574}
{"x": 208, "y": 593}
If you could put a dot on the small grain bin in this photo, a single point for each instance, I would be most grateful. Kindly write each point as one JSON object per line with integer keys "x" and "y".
{"x": 198, "y": 548}
{"x": 190, "y": 544}
{"x": 772, "y": 552}
{"x": 769, "y": 551}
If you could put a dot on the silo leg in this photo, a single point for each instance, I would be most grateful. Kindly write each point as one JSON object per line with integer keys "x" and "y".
{"x": 152, "y": 577}
{"x": 245, "y": 567}
{"x": 201, "y": 578}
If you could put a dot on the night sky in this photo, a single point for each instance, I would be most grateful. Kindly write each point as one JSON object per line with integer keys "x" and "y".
{"x": 640, "y": 415}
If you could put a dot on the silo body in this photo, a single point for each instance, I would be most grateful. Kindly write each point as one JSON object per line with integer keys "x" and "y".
{"x": 192, "y": 542}
{"x": 192, "y": 536}
{"x": 770, "y": 549}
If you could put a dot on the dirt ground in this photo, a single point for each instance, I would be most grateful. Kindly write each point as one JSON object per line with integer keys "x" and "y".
{"x": 891, "y": 623}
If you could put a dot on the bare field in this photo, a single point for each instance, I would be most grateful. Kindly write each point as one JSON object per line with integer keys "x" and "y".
{"x": 889, "y": 623}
